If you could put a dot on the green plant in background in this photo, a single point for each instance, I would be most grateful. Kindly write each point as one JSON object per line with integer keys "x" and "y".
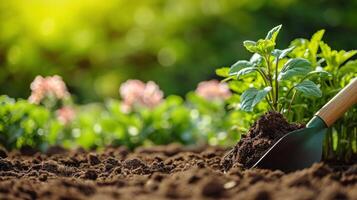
{"x": 341, "y": 140}
{"x": 142, "y": 117}
{"x": 22, "y": 124}
{"x": 209, "y": 115}
{"x": 211, "y": 121}
{"x": 166, "y": 123}
{"x": 280, "y": 77}
{"x": 195, "y": 121}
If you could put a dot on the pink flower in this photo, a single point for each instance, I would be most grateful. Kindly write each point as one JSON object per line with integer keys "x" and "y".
{"x": 213, "y": 90}
{"x": 66, "y": 114}
{"x": 50, "y": 85}
{"x": 57, "y": 86}
{"x": 135, "y": 92}
{"x": 152, "y": 95}
{"x": 132, "y": 91}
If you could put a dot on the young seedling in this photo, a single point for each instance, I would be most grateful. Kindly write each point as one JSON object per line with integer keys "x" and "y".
{"x": 283, "y": 77}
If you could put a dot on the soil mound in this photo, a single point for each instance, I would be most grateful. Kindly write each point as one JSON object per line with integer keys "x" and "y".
{"x": 268, "y": 129}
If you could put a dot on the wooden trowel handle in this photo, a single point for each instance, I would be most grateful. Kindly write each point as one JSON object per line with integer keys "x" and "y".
{"x": 339, "y": 104}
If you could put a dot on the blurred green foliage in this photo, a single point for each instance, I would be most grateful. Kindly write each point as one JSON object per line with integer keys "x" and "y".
{"x": 96, "y": 45}
{"x": 96, "y": 125}
{"x": 22, "y": 123}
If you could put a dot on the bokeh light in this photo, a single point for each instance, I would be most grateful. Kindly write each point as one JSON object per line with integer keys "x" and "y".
{"x": 96, "y": 45}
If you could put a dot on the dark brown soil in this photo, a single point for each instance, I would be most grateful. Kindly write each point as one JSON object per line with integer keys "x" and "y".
{"x": 267, "y": 130}
{"x": 162, "y": 172}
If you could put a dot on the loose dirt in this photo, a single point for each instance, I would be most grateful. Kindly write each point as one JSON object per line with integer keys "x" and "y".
{"x": 162, "y": 172}
{"x": 267, "y": 130}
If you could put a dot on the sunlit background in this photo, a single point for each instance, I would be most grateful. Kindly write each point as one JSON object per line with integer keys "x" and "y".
{"x": 95, "y": 45}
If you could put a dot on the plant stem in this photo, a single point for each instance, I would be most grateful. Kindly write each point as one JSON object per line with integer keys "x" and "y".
{"x": 276, "y": 84}
{"x": 291, "y": 102}
{"x": 264, "y": 76}
{"x": 271, "y": 94}
{"x": 266, "y": 84}
{"x": 269, "y": 103}
{"x": 287, "y": 95}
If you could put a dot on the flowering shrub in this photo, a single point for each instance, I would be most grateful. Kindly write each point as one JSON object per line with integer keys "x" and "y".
{"x": 213, "y": 90}
{"x": 51, "y": 91}
{"x": 51, "y": 87}
{"x": 136, "y": 93}
{"x": 211, "y": 120}
{"x": 65, "y": 114}
{"x": 142, "y": 117}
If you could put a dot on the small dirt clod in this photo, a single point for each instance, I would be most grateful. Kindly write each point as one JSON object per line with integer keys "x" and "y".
{"x": 3, "y": 153}
{"x": 212, "y": 188}
{"x": 134, "y": 164}
{"x": 90, "y": 174}
{"x": 93, "y": 159}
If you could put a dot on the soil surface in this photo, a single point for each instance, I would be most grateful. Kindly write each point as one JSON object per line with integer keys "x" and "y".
{"x": 162, "y": 172}
{"x": 267, "y": 130}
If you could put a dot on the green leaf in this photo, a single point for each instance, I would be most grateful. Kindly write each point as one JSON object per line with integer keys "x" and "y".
{"x": 320, "y": 72}
{"x": 315, "y": 41}
{"x": 335, "y": 58}
{"x": 301, "y": 46}
{"x": 261, "y": 46}
{"x": 295, "y": 67}
{"x": 246, "y": 71}
{"x": 273, "y": 33}
{"x": 256, "y": 59}
{"x": 265, "y": 46}
{"x": 309, "y": 88}
{"x": 280, "y": 54}
{"x": 251, "y": 97}
{"x": 236, "y": 67}
{"x": 325, "y": 49}
{"x": 223, "y": 72}
{"x": 250, "y": 46}
{"x": 343, "y": 56}
{"x": 349, "y": 67}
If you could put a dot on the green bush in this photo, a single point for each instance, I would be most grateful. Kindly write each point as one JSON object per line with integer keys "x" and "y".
{"x": 340, "y": 142}
{"x": 22, "y": 124}
{"x": 96, "y": 125}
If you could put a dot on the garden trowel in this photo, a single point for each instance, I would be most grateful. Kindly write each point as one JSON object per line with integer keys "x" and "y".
{"x": 301, "y": 148}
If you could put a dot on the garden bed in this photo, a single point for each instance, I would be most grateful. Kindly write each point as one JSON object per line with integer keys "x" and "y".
{"x": 161, "y": 172}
